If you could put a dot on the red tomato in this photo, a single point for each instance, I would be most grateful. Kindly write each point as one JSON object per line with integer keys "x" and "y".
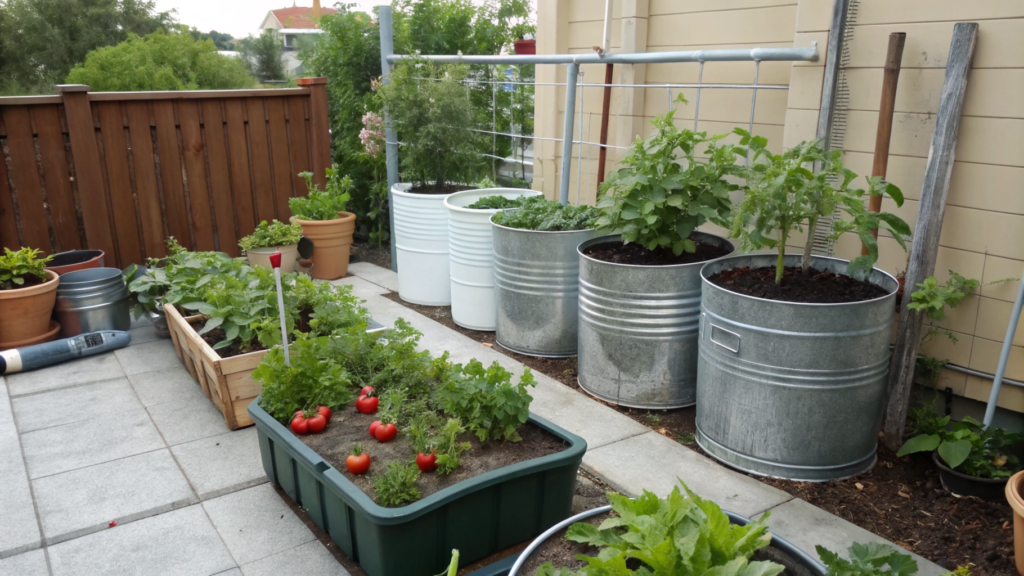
{"x": 373, "y": 428}
{"x": 426, "y": 462}
{"x": 385, "y": 432}
{"x": 366, "y": 390}
{"x": 367, "y": 404}
{"x": 316, "y": 423}
{"x": 325, "y": 412}
{"x": 358, "y": 463}
{"x": 299, "y": 424}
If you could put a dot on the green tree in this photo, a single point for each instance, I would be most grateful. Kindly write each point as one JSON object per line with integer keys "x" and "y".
{"x": 41, "y": 40}
{"x": 263, "y": 55}
{"x": 160, "y": 61}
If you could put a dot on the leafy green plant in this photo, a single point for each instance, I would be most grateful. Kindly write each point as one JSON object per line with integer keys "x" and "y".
{"x": 673, "y": 535}
{"x": 271, "y": 235}
{"x": 871, "y": 559}
{"x": 397, "y": 486}
{"x": 245, "y": 308}
{"x": 449, "y": 449}
{"x": 928, "y": 368}
{"x": 932, "y": 298}
{"x": 548, "y": 216}
{"x": 497, "y": 203}
{"x": 785, "y": 195}
{"x": 16, "y": 267}
{"x": 486, "y": 400}
{"x": 313, "y": 379}
{"x": 672, "y": 182}
{"x": 181, "y": 276}
{"x": 323, "y": 204}
{"x": 970, "y": 448}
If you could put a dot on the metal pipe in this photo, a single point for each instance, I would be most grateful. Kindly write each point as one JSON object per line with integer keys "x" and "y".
{"x": 387, "y": 48}
{"x": 753, "y": 105}
{"x": 606, "y": 45}
{"x": 571, "y": 71}
{"x": 808, "y": 54}
{"x": 579, "y": 150}
{"x": 980, "y": 374}
{"x": 696, "y": 108}
{"x": 1004, "y": 355}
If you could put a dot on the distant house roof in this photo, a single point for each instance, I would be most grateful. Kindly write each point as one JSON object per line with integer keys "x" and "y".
{"x": 294, "y": 17}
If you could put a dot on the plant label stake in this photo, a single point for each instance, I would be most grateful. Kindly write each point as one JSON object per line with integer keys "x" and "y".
{"x": 275, "y": 261}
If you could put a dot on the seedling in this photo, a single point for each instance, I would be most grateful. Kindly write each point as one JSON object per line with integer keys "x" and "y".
{"x": 16, "y": 267}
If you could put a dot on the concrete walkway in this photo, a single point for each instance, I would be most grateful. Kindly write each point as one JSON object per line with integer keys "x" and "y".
{"x": 129, "y": 436}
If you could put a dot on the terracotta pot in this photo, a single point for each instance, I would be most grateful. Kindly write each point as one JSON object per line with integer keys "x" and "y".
{"x": 261, "y": 257}
{"x": 25, "y": 312}
{"x": 49, "y": 336}
{"x": 332, "y": 241}
{"x": 76, "y": 260}
{"x": 1015, "y": 497}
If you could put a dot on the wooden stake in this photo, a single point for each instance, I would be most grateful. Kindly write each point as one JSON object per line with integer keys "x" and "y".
{"x": 886, "y": 108}
{"x": 605, "y": 106}
{"x": 925, "y": 249}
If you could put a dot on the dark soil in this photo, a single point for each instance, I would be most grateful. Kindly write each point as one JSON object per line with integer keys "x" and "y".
{"x": 815, "y": 287}
{"x": 348, "y": 428}
{"x": 947, "y": 530}
{"x": 213, "y": 337}
{"x": 432, "y": 189}
{"x": 637, "y": 255}
{"x": 561, "y": 552}
{"x": 377, "y": 255}
{"x": 30, "y": 281}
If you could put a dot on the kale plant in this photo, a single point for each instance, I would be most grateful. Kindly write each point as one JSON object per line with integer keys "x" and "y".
{"x": 497, "y": 203}
{"x": 548, "y": 216}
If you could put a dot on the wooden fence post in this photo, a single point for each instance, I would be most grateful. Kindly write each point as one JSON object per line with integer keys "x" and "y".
{"x": 924, "y": 251}
{"x": 319, "y": 125}
{"x": 86, "y": 154}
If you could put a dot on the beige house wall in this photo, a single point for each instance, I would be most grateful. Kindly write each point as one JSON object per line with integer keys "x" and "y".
{"x": 983, "y": 232}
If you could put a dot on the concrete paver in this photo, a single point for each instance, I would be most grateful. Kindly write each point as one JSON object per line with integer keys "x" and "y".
{"x": 28, "y": 564}
{"x": 19, "y": 531}
{"x": 85, "y": 402}
{"x": 221, "y": 464}
{"x": 372, "y": 273}
{"x": 255, "y": 523}
{"x": 74, "y": 373}
{"x": 142, "y": 333}
{"x": 178, "y": 543}
{"x": 187, "y": 420}
{"x": 148, "y": 357}
{"x": 82, "y": 501}
{"x": 167, "y": 385}
{"x": 308, "y": 558}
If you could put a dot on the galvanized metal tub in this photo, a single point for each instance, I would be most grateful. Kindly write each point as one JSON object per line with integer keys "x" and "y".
{"x": 421, "y": 246}
{"x": 638, "y": 329}
{"x": 789, "y": 389}
{"x": 536, "y": 279}
{"x": 92, "y": 299}
{"x": 471, "y": 256}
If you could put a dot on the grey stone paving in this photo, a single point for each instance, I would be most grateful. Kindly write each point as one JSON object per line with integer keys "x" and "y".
{"x": 76, "y": 404}
{"x": 27, "y": 564}
{"x": 255, "y": 523}
{"x": 170, "y": 385}
{"x": 19, "y": 531}
{"x": 222, "y": 464}
{"x": 84, "y": 371}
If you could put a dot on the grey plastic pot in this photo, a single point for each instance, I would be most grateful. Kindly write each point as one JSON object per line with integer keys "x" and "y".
{"x": 92, "y": 299}
{"x": 638, "y": 329}
{"x": 536, "y": 279}
{"x": 790, "y": 389}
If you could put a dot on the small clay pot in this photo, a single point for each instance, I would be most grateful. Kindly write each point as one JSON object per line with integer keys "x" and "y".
{"x": 74, "y": 260}
{"x": 261, "y": 257}
{"x": 25, "y": 312}
{"x": 332, "y": 243}
{"x": 1015, "y": 497}
{"x": 49, "y": 336}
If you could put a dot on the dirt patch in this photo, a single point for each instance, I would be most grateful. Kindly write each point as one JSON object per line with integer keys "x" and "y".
{"x": 637, "y": 255}
{"x": 561, "y": 552}
{"x": 348, "y": 428}
{"x": 947, "y": 530}
{"x": 376, "y": 255}
{"x": 815, "y": 287}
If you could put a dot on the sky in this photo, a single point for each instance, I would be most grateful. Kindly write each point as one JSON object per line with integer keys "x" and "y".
{"x": 239, "y": 17}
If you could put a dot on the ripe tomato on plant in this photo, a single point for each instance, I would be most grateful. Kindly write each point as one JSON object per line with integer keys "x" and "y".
{"x": 316, "y": 423}
{"x": 358, "y": 462}
{"x": 373, "y": 428}
{"x": 366, "y": 391}
{"x": 299, "y": 423}
{"x": 367, "y": 404}
{"x": 426, "y": 462}
{"x": 325, "y": 412}
{"x": 385, "y": 432}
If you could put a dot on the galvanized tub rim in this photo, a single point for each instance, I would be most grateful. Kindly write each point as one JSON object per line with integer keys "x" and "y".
{"x": 527, "y": 231}
{"x": 611, "y": 237}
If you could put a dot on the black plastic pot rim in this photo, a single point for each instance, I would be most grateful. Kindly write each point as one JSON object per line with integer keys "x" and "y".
{"x": 307, "y": 457}
{"x": 609, "y": 238}
{"x": 943, "y": 468}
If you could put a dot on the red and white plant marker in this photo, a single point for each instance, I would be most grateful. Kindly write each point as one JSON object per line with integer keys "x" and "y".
{"x": 275, "y": 262}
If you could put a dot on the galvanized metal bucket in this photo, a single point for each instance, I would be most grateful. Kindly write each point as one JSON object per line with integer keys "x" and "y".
{"x": 638, "y": 329}
{"x": 91, "y": 300}
{"x": 790, "y": 389}
{"x": 471, "y": 255}
{"x": 536, "y": 279}
{"x": 421, "y": 246}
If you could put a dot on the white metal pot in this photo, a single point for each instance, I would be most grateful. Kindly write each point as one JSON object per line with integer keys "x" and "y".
{"x": 421, "y": 246}
{"x": 471, "y": 257}
{"x": 261, "y": 256}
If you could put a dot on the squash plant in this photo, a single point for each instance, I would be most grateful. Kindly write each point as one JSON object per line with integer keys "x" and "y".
{"x": 969, "y": 447}
{"x": 785, "y": 194}
{"x": 21, "y": 265}
{"x": 673, "y": 181}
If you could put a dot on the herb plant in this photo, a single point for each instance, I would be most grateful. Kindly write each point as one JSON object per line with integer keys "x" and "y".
{"x": 448, "y": 447}
{"x": 675, "y": 535}
{"x": 548, "y": 216}
{"x": 932, "y": 298}
{"x": 397, "y": 486}
{"x": 15, "y": 267}
{"x": 785, "y": 195}
{"x": 313, "y": 379}
{"x": 667, "y": 188}
{"x": 970, "y": 448}
{"x": 497, "y": 203}
{"x": 487, "y": 401}
{"x": 323, "y": 204}
{"x": 871, "y": 559}
{"x": 271, "y": 235}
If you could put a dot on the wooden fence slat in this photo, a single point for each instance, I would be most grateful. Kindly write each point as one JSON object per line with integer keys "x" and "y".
{"x": 195, "y": 169}
{"x": 299, "y": 139}
{"x": 319, "y": 127}
{"x": 279, "y": 154}
{"x": 153, "y": 233}
{"x": 8, "y": 224}
{"x": 25, "y": 174}
{"x": 220, "y": 176}
{"x": 85, "y": 154}
{"x": 241, "y": 184}
{"x": 59, "y": 196}
{"x": 170, "y": 172}
{"x": 260, "y": 151}
{"x": 119, "y": 180}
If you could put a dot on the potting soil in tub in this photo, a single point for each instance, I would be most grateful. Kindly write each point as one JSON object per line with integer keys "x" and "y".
{"x": 637, "y": 255}
{"x": 815, "y": 287}
{"x": 348, "y": 428}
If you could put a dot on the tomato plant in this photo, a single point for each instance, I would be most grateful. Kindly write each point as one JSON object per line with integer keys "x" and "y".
{"x": 299, "y": 424}
{"x": 325, "y": 412}
{"x": 426, "y": 462}
{"x": 385, "y": 432}
{"x": 358, "y": 462}
{"x": 373, "y": 428}
{"x": 316, "y": 423}
{"x": 367, "y": 404}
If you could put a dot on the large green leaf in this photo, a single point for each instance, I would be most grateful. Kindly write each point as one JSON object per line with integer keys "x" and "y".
{"x": 920, "y": 443}
{"x": 954, "y": 453}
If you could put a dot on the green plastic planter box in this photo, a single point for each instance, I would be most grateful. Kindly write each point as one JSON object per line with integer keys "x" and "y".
{"x": 479, "y": 516}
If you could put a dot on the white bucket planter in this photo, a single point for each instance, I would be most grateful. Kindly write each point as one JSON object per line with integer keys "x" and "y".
{"x": 261, "y": 257}
{"x": 421, "y": 246}
{"x": 471, "y": 257}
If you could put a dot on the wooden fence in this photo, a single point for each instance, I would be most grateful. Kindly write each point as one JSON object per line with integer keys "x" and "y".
{"x": 121, "y": 171}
